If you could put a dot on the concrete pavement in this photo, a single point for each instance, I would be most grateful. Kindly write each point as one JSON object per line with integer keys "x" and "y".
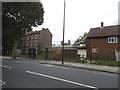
{"x": 110, "y": 69}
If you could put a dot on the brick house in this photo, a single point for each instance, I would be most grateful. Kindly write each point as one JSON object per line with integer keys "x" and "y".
{"x": 104, "y": 42}
{"x": 41, "y": 40}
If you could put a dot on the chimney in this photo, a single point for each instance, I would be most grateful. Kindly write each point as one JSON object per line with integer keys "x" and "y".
{"x": 44, "y": 28}
{"x": 102, "y": 24}
{"x": 69, "y": 42}
{"x": 61, "y": 42}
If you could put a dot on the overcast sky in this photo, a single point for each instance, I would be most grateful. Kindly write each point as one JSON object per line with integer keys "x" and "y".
{"x": 81, "y": 15}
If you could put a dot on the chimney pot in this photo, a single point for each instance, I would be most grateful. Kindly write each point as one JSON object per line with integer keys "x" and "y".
{"x": 69, "y": 42}
{"x": 61, "y": 42}
{"x": 102, "y": 24}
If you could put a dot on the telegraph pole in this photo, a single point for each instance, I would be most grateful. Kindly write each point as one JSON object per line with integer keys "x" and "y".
{"x": 63, "y": 33}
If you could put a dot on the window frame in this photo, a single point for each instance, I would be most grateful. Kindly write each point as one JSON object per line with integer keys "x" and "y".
{"x": 36, "y": 36}
{"x": 94, "y": 50}
{"x": 113, "y": 39}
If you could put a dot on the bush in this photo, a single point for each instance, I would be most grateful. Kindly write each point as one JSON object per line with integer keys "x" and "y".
{"x": 51, "y": 57}
{"x": 82, "y": 61}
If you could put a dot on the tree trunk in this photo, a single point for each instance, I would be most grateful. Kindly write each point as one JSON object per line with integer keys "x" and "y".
{"x": 14, "y": 49}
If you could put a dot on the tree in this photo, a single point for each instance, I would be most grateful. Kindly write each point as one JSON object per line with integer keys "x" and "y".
{"x": 18, "y": 18}
{"x": 81, "y": 41}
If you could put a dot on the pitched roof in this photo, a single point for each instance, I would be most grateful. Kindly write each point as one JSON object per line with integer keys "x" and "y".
{"x": 38, "y": 32}
{"x": 104, "y": 31}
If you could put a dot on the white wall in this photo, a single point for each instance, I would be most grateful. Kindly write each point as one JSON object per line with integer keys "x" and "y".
{"x": 117, "y": 52}
{"x": 82, "y": 52}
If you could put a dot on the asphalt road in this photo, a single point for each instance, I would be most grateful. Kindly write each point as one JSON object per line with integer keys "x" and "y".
{"x": 22, "y": 74}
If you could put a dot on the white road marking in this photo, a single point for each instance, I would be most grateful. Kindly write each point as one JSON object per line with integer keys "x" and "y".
{"x": 52, "y": 66}
{"x": 5, "y": 66}
{"x": 72, "y": 82}
{"x": 55, "y": 66}
{"x": 65, "y": 67}
{"x": 48, "y": 65}
{"x": 17, "y": 61}
{"x": 2, "y": 82}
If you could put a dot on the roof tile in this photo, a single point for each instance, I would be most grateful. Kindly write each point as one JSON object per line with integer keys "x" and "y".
{"x": 104, "y": 31}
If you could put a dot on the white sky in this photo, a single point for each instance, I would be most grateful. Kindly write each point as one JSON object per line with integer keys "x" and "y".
{"x": 81, "y": 15}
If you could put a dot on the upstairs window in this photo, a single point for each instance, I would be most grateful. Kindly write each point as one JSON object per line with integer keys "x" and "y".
{"x": 112, "y": 40}
{"x": 36, "y": 36}
{"x": 35, "y": 43}
{"x": 31, "y": 37}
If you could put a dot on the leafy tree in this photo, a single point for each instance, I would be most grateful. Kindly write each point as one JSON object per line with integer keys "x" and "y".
{"x": 18, "y": 18}
{"x": 81, "y": 41}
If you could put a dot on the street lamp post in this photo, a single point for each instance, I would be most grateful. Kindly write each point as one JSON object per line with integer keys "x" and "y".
{"x": 63, "y": 33}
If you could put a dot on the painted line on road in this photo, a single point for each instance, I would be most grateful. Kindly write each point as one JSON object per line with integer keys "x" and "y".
{"x": 49, "y": 65}
{"x": 22, "y": 62}
{"x": 72, "y": 82}
{"x": 5, "y": 66}
{"x": 2, "y": 82}
{"x": 55, "y": 66}
{"x": 65, "y": 67}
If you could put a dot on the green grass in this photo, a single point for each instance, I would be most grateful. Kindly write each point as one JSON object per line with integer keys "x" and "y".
{"x": 41, "y": 57}
{"x": 106, "y": 63}
{"x": 97, "y": 62}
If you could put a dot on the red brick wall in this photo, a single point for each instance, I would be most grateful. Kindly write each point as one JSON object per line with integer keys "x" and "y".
{"x": 118, "y": 41}
{"x": 68, "y": 53}
{"x": 45, "y": 40}
{"x": 58, "y": 54}
{"x": 105, "y": 50}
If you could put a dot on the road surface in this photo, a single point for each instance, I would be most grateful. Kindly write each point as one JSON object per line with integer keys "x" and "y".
{"x": 24, "y": 74}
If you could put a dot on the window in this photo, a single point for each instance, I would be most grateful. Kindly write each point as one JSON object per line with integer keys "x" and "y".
{"x": 35, "y": 43}
{"x": 112, "y": 40}
{"x": 95, "y": 50}
{"x": 32, "y": 43}
{"x": 36, "y": 36}
{"x": 31, "y": 37}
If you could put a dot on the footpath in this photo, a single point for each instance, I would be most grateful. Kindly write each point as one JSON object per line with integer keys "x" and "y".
{"x": 110, "y": 69}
